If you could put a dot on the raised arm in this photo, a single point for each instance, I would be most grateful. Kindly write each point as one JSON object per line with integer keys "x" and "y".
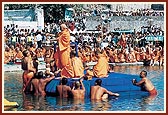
{"x": 81, "y": 80}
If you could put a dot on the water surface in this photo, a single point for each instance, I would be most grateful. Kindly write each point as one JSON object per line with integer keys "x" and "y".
{"x": 129, "y": 102}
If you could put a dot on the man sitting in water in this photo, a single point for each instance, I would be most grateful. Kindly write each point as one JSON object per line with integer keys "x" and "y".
{"x": 78, "y": 93}
{"x": 63, "y": 89}
{"x": 145, "y": 83}
{"x": 98, "y": 92}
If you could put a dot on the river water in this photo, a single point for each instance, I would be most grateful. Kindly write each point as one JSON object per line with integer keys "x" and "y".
{"x": 131, "y": 102}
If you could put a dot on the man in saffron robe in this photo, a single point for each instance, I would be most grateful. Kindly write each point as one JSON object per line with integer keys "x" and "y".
{"x": 62, "y": 55}
{"x": 77, "y": 65}
{"x": 100, "y": 70}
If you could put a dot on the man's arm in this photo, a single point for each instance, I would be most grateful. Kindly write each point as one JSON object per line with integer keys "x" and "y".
{"x": 111, "y": 93}
{"x": 139, "y": 83}
{"x": 50, "y": 78}
{"x": 81, "y": 80}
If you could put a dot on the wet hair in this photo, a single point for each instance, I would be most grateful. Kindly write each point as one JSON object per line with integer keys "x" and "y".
{"x": 77, "y": 84}
{"x": 25, "y": 52}
{"x": 64, "y": 81}
{"x": 145, "y": 72}
{"x": 37, "y": 76}
{"x": 98, "y": 82}
{"x": 40, "y": 74}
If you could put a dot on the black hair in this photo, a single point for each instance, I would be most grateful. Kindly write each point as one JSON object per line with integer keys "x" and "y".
{"x": 77, "y": 84}
{"x": 111, "y": 66}
{"x": 145, "y": 72}
{"x": 64, "y": 81}
{"x": 40, "y": 74}
{"x": 73, "y": 53}
{"x": 85, "y": 78}
{"x": 98, "y": 82}
{"x": 25, "y": 53}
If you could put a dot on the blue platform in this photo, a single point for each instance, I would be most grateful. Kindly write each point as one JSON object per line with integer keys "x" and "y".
{"x": 115, "y": 82}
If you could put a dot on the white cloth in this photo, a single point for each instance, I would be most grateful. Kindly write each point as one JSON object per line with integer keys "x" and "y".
{"x": 38, "y": 37}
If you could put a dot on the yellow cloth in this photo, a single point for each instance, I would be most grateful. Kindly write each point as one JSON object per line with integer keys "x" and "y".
{"x": 101, "y": 68}
{"x": 62, "y": 55}
{"x": 78, "y": 67}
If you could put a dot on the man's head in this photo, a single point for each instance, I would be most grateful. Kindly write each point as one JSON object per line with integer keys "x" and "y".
{"x": 98, "y": 82}
{"x": 73, "y": 53}
{"x": 64, "y": 81}
{"x": 97, "y": 52}
{"x": 143, "y": 74}
{"x": 63, "y": 27}
{"x": 111, "y": 67}
{"x": 40, "y": 74}
{"x": 77, "y": 84}
{"x": 25, "y": 53}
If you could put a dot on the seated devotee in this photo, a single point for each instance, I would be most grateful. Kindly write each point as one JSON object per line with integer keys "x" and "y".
{"x": 100, "y": 70}
{"x": 111, "y": 68}
{"x": 77, "y": 65}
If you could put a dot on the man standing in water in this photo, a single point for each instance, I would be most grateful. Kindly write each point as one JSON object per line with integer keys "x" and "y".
{"x": 63, "y": 89}
{"x": 29, "y": 70}
{"x": 145, "y": 83}
{"x": 39, "y": 82}
{"x": 98, "y": 92}
{"x": 78, "y": 93}
{"x": 62, "y": 55}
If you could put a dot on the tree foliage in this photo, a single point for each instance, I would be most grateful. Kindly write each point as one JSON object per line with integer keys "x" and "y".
{"x": 52, "y": 12}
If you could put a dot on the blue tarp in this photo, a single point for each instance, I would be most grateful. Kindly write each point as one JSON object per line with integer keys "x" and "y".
{"x": 115, "y": 82}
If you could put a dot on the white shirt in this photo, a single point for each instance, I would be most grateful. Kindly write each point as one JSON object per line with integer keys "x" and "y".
{"x": 72, "y": 38}
{"x": 38, "y": 37}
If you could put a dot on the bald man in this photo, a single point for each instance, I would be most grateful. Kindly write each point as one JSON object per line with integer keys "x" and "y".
{"x": 62, "y": 55}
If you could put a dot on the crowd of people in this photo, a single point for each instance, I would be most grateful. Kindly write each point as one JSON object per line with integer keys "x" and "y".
{"x": 98, "y": 9}
{"x": 119, "y": 48}
{"x": 68, "y": 65}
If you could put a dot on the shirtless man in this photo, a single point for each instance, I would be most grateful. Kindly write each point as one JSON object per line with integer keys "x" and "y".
{"x": 98, "y": 92}
{"x": 146, "y": 83}
{"x": 43, "y": 81}
{"x": 77, "y": 92}
{"x": 29, "y": 70}
{"x": 35, "y": 84}
{"x": 63, "y": 89}
{"x": 39, "y": 82}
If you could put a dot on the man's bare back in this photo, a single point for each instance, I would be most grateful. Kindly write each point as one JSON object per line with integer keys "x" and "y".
{"x": 63, "y": 90}
{"x": 78, "y": 93}
{"x": 98, "y": 92}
